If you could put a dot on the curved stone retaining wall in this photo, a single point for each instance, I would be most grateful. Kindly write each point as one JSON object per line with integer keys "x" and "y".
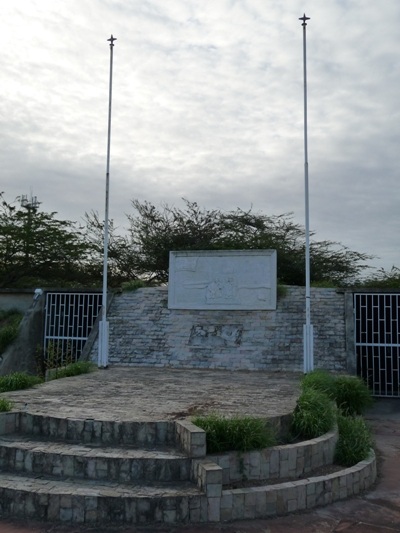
{"x": 277, "y": 462}
{"x": 283, "y": 498}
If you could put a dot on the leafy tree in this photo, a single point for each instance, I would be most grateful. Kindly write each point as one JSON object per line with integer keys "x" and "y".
{"x": 120, "y": 265}
{"x": 384, "y": 279}
{"x": 37, "y": 247}
{"x": 154, "y": 233}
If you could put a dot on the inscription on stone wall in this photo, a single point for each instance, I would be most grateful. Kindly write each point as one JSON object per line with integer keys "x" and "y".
{"x": 222, "y": 279}
{"x": 212, "y": 336}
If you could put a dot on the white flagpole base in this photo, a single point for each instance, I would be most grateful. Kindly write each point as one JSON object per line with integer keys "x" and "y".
{"x": 308, "y": 348}
{"x": 103, "y": 344}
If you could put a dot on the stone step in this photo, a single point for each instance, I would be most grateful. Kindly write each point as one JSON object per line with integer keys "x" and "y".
{"x": 181, "y": 434}
{"x": 66, "y": 493}
{"x": 90, "y": 501}
{"x": 25, "y": 453}
{"x": 90, "y": 431}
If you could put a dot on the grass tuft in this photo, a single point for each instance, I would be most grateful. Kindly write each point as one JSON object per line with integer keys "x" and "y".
{"x": 73, "y": 369}
{"x": 5, "y": 405}
{"x": 133, "y": 285}
{"x": 354, "y": 442}
{"x": 320, "y": 380}
{"x": 314, "y": 414}
{"x": 18, "y": 381}
{"x": 350, "y": 393}
{"x": 352, "y": 398}
{"x": 240, "y": 433}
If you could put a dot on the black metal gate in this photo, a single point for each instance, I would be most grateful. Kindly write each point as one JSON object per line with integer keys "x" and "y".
{"x": 69, "y": 318}
{"x": 377, "y": 341}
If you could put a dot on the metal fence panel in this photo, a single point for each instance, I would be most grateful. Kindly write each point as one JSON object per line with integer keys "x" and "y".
{"x": 377, "y": 341}
{"x": 69, "y": 318}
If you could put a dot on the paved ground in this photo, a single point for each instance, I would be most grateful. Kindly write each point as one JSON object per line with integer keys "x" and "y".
{"x": 157, "y": 393}
{"x": 148, "y": 394}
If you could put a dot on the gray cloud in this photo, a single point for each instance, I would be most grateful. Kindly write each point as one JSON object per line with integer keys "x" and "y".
{"x": 208, "y": 105}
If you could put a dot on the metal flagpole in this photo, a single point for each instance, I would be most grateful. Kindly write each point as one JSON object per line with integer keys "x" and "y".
{"x": 308, "y": 332}
{"x": 103, "y": 324}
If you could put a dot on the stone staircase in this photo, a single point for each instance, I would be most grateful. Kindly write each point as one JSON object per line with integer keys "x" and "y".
{"x": 86, "y": 471}
{"x": 91, "y": 471}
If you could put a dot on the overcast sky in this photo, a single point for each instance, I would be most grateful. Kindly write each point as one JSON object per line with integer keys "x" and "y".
{"x": 207, "y": 105}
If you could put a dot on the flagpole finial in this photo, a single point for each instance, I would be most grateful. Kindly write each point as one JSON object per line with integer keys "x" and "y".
{"x": 304, "y": 18}
{"x": 112, "y": 39}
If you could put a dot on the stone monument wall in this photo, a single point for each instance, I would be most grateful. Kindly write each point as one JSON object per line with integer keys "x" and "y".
{"x": 143, "y": 331}
{"x": 222, "y": 280}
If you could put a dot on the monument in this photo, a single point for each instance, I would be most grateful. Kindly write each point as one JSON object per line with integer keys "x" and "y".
{"x": 222, "y": 280}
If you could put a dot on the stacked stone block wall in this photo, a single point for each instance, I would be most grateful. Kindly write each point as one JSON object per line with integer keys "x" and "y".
{"x": 277, "y": 462}
{"x": 290, "y": 497}
{"x": 190, "y": 438}
{"x": 90, "y": 431}
{"x": 143, "y": 331}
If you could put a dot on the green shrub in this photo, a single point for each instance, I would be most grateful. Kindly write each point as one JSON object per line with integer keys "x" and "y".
{"x": 9, "y": 324}
{"x": 241, "y": 433}
{"x": 320, "y": 380}
{"x": 352, "y": 395}
{"x": 354, "y": 442}
{"x": 133, "y": 285}
{"x": 18, "y": 381}
{"x": 314, "y": 414}
{"x": 73, "y": 369}
{"x": 5, "y": 405}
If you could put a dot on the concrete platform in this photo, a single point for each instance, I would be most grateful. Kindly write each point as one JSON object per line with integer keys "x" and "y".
{"x": 149, "y": 394}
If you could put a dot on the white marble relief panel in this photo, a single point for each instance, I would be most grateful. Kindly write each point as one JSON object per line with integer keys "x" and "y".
{"x": 222, "y": 279}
